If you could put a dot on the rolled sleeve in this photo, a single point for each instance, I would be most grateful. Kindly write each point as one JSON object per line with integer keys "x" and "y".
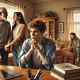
{"x": 21, "y": 59}
{"x": 23, "y": 62}
{"x": 50, "y": 54}
{"x": 48, "y": 62}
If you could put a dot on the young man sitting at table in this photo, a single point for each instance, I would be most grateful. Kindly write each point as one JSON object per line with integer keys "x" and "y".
{"x": 38, "y": 51}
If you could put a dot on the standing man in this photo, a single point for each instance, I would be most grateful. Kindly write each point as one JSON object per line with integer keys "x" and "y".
{"x": 3, "y": 12}
{"x": 38, "y": 51}
{"x": 5, "y": 35}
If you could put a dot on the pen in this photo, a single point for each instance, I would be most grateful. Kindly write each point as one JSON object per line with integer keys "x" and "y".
{"x": 29, "y": 73}
{"x": 37, "y": 74}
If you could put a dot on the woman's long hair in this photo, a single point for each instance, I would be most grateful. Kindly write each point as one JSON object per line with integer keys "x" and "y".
{"x": 21, "y": 20}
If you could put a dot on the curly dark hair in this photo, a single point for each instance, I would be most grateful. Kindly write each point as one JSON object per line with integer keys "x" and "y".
{"x": 39, "y": 24}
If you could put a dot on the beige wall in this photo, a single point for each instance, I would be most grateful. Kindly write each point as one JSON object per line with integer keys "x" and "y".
{"x": 55, "y": 5}
{"x": 58, "y": 6}
{"x": 29, "y": 10}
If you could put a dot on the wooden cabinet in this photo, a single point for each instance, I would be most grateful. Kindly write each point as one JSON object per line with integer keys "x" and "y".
{"x": 50, "y": 26}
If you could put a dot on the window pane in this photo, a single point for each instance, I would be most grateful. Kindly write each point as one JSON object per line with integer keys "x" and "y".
{"x": 76, "y": 17}
{"x": 77, "y": 22}
{"x": 77, "y": 29}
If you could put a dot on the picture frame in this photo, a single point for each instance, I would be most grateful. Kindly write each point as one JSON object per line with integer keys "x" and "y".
{"x": 61, "y": 27}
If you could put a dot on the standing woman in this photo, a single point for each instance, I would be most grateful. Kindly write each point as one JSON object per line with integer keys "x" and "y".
{"x": 19, "y": 35}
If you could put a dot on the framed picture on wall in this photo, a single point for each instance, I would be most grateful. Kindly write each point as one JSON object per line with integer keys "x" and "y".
{"x": 61, "y": 27}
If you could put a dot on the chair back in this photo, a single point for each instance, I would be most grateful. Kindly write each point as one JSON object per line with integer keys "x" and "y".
{"x": 64, "y": 56}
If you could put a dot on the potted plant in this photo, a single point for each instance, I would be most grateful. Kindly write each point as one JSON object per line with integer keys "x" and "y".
{"x": 45, "y": 14}
{"x": 50, "y": 14}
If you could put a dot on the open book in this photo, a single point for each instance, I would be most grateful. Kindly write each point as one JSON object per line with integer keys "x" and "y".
{"x": 66, "y": 68}
{"x": 8, "y": 74}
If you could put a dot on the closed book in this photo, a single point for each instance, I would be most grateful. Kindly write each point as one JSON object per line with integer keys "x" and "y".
{"x": 66, "y": 68}
{"x": 61, "y": 78}
{"x": 65, "y": 75}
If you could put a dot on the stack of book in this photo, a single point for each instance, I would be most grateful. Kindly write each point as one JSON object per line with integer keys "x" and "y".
{"x": 66, "y": 71}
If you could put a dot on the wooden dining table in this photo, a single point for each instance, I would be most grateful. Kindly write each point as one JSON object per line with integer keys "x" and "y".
{"x": 24, "y": 72}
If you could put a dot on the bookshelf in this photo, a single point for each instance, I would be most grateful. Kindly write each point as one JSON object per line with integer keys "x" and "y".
{"x": 50, "y": 26}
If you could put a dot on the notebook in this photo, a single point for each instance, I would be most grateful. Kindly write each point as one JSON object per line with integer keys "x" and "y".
{"x": 8, "y": 74}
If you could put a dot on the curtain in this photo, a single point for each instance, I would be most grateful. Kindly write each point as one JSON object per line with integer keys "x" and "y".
{"x": 70, "y": 22}
{"x": 73, "y": 21}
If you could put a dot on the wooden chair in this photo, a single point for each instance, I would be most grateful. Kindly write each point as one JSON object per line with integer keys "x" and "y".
{"x": 63, "y": 56}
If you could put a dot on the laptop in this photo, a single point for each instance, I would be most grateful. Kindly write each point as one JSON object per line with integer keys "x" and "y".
{"x": 8, "y": 74}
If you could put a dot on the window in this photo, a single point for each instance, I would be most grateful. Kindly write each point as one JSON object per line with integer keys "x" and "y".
{"x": 11, "y": 9}
{"x": 73, "y": 21}
{"x": 77, "y": 22}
